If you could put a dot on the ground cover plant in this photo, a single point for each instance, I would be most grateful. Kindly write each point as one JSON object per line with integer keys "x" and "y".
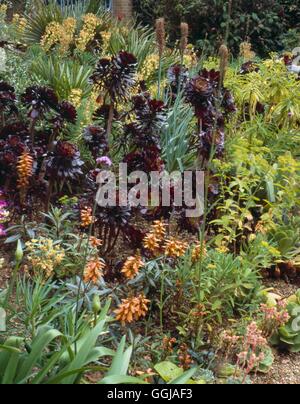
{"x": 141, "y": 293}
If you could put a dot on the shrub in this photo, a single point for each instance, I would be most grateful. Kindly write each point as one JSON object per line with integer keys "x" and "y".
{"x": 262, "y": 21}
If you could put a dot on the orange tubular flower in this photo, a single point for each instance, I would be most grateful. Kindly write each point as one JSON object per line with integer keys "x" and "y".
{"x": 199, "y": 252}
{"x": 95, "y": 242}
{"x": 86, "y": 217}
{"x": 132, "y": 309}
{"x": 132, "y": 266}
{"x": 159, "y": 229}
{"x": 24, "y": 169}
{"x": 152, "y": 243}
{"x": 93, "y": 271}
{"x": 175, "y": 248}
{"x": 155, "y": 237}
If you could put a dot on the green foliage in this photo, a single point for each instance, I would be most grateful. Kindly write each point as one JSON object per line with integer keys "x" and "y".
{"x": 50, "y": 358}
{"x": 38, "y": 18}
{"x": 63, "y": 75}
{"x": 226, "y": 285}
{"x": 177, "y": 151}
{"x": 261, "y": 22}
{"x": 288, "y": 336}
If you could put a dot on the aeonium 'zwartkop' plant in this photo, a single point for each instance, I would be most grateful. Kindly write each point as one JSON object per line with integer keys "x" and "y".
{"x": 63, "y": 165}
{"x": 39, "y": 100}
{"x": 116, "y": 76}
{"x": 212, "y": 102}
{"x": 150, "y": 113}
{"x": 64, "y": 162}
{"x": 150, "y": 117}
{"x": 7, "y": 98}
{"x": 95, "y": 138}
{"x": 66, "y": 112}
{"x": 177, "y": 78}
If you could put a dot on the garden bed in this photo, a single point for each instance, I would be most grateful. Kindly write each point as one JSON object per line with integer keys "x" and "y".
{"x": 106, "y": 277}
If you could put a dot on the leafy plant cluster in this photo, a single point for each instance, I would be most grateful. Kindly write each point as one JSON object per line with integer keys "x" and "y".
{"x": 264, "y": 23}
{"x": 86, "y": 278}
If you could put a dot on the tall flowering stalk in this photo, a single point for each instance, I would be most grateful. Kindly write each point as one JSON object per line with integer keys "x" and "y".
{"x": 184, "y": 28}
{"x": 161, "y": 44}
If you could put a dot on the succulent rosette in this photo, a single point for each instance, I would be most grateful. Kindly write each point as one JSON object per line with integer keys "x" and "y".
{"x": 177, "y": 77}
{"x": 7, "y": 98}
{"x": 95, "y": 138}
{"x": 64, "y": 163}
{"x": 116, "y": 75}
{"x": 150, "y": 114}
{"x": 39, "y": 99}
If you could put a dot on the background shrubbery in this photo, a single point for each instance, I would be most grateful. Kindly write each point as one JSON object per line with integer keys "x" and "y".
{"x": 265, "y": 22}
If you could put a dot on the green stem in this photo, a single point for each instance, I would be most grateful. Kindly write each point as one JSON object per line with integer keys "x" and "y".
{"x": 11, "y": 285}
{"x": 159, "y": 77}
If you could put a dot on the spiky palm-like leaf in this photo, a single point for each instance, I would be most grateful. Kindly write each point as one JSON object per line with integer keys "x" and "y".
{"x": 62, "y": 75}
{"x": 41, "y": 15}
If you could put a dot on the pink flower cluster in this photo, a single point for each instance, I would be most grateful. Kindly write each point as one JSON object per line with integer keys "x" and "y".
{"x": 230, "y": 339}
{"x": 274, "y": 317}
{"x": 254, "y": 338}
{"x": 4, "y": 214}
{"x": 252, "y": 351}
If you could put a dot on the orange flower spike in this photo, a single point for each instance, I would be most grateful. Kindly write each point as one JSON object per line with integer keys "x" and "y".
{"x": 132, "y": 309}
{"x": 93, "y": 271}
{"x": 95, "y": 242}
{"x": 199, "y": 251}
{"x": 86, "y": 216}
{"x": 175, "y": 248}
{"x": 159, "y": 229}
{"x": 151, "y": 243}
{"x": 132, "y": 266}
{"x": 24, "y": 170}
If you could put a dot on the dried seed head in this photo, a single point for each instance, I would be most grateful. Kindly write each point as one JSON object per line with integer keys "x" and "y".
{"x": 184, "y": 36}
{"x": 224, "y": 54}
{"x": 160, "y": 35}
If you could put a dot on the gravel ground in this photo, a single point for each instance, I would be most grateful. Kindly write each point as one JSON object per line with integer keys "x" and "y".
{"x": 286, "y": 368}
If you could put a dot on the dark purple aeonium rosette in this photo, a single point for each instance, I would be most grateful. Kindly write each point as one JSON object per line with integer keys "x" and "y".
{"x": 39, "y": 99}
{"x": 64, "y": 163}
{"x": 7, "y": 97}
{"x": 116, "y": 75}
